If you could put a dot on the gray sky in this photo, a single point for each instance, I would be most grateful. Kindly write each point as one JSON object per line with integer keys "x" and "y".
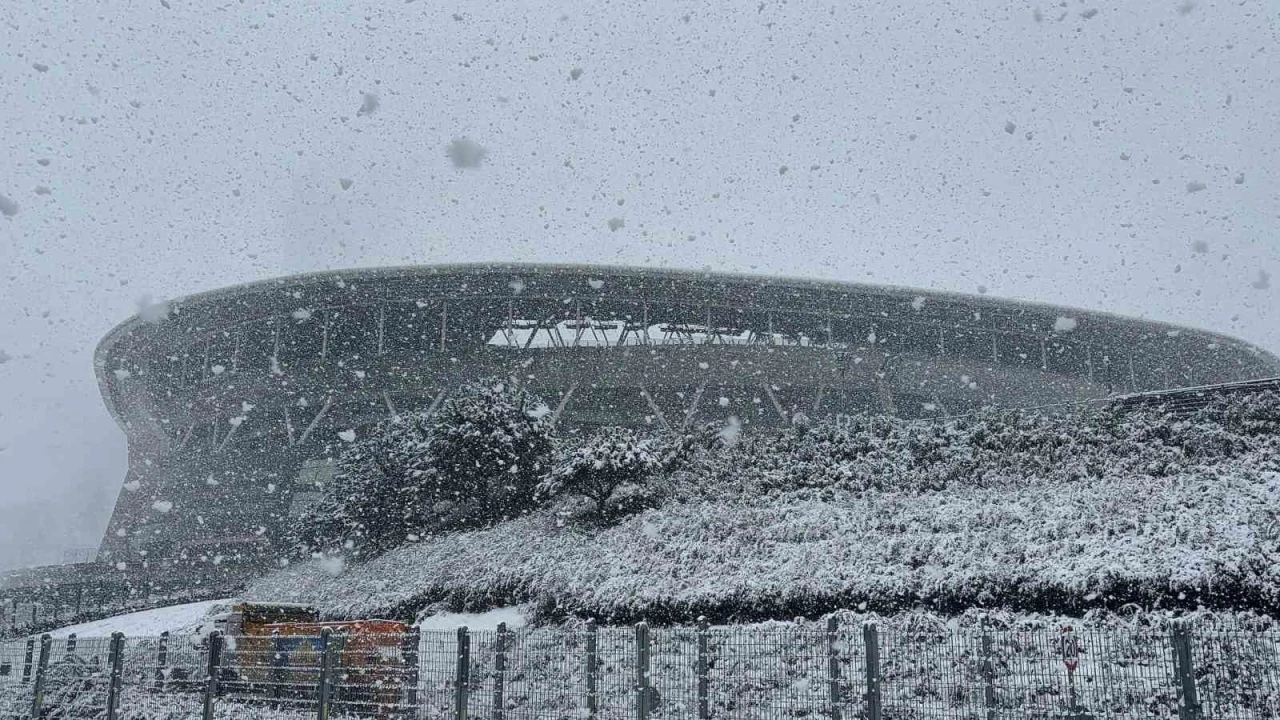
{"x": 1124, "y": 160}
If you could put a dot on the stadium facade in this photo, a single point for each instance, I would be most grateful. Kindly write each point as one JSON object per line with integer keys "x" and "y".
{"x": 236, "y": 402}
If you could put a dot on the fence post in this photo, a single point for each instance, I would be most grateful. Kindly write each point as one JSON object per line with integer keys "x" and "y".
{"x": 499, "y": 671}
{"x": 162, "y": 659}
{"x": 871, "y": 637}
{"x": 71, "y": 645}
{"x": 462, "y": 675}
{"x": 37, "y": 693}
{"x": 326, "y": 667}
{"x": 1188, "y": 703}
{"x": 277, "y": 665}
{"x": 593, "y": 667}
{"x": 409, "y": 652}
{"x": 704, "y": 680}
{"x": 211, "y": 673}
{"x": 116, "y": 654}
{"x": 988, "y": 676}
{"x": 642, "y": 671}
{"x": 833, "y": 665}
{"x": 28, "y": 660}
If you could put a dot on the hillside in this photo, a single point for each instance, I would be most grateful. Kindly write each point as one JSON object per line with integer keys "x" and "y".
{"x": 1006, "y": 510}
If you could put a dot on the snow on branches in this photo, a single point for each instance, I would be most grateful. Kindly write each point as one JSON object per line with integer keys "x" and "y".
{"x": 475, "y": 461}
{"x": 615, "y": 468}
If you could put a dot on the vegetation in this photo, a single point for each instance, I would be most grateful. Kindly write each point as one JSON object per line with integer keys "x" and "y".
{"x": 1017, "y": 510}
{"x": 476, "y": 461}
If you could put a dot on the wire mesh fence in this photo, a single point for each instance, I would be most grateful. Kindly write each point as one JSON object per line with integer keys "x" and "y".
{"x": 769, "y": 672}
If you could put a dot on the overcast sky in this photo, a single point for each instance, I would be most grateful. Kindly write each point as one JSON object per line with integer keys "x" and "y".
{"x": 1120, "y": 156}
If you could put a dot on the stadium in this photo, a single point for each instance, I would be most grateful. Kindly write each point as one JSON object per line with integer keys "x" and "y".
{"x": 236, "y": 401}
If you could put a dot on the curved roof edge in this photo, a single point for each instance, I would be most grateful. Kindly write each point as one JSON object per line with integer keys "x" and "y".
{"x": 210, "y": 296}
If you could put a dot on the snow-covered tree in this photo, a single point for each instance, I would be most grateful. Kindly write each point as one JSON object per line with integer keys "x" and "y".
{"x": 382, "y": 491}
{"x": 491, "y": 444}
{"x": 614, "y": 467}
{"x": 476, "y": 460}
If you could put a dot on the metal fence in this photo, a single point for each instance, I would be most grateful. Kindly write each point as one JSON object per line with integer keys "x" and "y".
{"x": 642, "y": 673}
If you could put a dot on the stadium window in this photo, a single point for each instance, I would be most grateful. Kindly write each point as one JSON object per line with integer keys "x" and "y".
{"x": 316, "y": 472}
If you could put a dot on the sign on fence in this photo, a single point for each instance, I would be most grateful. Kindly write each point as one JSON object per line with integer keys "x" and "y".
{"x": 1069, "y": 645}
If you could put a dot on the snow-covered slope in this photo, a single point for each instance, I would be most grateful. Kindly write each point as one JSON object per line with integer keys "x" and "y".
{"x": 190, "y": 618}
{"x": 1038, "y": 546}
{"x": 1015, "y": 511}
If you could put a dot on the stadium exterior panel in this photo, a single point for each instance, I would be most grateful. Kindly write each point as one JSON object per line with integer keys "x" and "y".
{"x": 236, "y": 401}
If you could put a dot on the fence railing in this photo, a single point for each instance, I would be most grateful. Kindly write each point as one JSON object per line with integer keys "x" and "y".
{"x": 840, "y": 672}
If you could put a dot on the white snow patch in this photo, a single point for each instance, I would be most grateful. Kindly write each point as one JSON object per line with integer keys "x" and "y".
{"x": 162, "y": 506}
{"x": 301, "y": 314}
{"x": 595, "y": 284}
{"x": 218, "y": 369}
{"x": 333, "y": 565}
{"x": 132, "y": 485}
{"x": 348, "y": 435}
{"x": 512, "y": 616}
{"x": 188, "y": 619}
{"x": 731, "y": 431}
{"x": 517, "y": 286}
{"x": 918, "y": 303}
{"x": 1065, "y": 324}
{"x": 122, "y": 374}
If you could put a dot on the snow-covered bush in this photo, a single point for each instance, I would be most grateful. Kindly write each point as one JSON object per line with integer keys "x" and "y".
{"x": 75, "y": 688}
{"x": 995, "y": 447}
{"x": 490, "y": 445}
{"x": 616, "y": 468}
{"x": 477, "y": 460}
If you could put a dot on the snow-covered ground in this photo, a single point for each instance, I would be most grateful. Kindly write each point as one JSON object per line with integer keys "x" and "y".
{"x": 191, "y": 618}
{"x": 514, "y": 617}
{"x": 196, "y": 619}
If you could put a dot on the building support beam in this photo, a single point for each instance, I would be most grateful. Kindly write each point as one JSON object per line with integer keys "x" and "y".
{"x": 768, "y": 390}
{"x": 817, "y": 398}
{"x": 657, "y": 411}
{"x": 186, "y": 437}
{"x": 227, "y": 438}
{"x": 324, "y": 410}
{"x": 435, "y": 404}
{"x": 564, "y": 400}
{"x": 693, "y": 407}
